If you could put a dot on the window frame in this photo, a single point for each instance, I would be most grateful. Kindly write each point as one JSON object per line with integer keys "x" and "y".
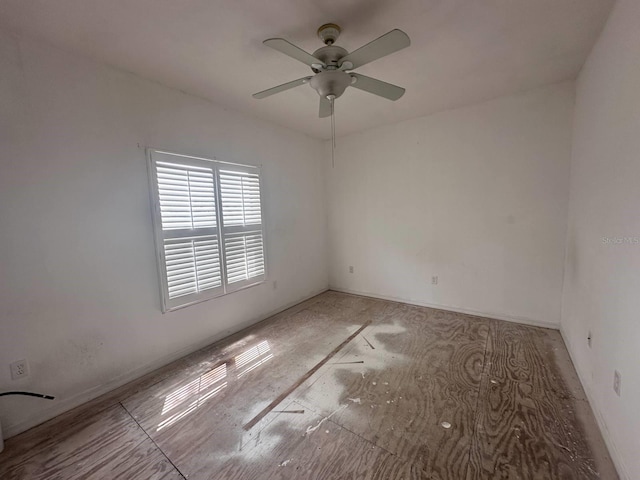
{"x": 170, "y": 304}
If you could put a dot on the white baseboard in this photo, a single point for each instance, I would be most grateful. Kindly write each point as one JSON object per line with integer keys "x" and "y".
{"x": 602, "y": 424}
{"x": 80, "y": 398}
{"x": 498, "y": 316}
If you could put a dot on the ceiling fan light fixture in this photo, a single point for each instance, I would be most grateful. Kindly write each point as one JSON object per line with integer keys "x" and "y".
{"x": 330, "y": 82}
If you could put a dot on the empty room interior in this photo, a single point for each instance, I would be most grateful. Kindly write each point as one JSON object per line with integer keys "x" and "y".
{"x": 320, "y": 239}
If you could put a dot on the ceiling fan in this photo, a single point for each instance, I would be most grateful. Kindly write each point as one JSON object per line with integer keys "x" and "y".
{"x": 333, "y": 65}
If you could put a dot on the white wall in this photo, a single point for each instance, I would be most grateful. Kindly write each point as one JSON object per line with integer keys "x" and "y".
{"x": 602, "y": 280}
{"x": 79, "y": 295}
{"x": 477, "y": 196}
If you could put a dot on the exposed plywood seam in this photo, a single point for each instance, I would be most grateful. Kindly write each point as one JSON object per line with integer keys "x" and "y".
{"x": 152, "y": 441}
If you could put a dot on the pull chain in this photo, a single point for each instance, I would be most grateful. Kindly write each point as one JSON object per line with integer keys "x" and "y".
{"x": 333, "y": 131}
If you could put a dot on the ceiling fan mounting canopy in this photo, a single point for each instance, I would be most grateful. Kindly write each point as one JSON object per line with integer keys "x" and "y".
{"x": 332, "y": 66}
{"x": 329, "y": 33}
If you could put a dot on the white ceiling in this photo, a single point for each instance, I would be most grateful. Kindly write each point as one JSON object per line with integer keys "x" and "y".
{"x": 462, "y": 52}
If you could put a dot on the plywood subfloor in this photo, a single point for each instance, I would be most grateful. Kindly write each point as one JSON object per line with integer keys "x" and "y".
{"x": 416, "y": 394}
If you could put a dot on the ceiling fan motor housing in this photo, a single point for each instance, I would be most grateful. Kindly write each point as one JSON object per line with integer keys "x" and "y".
{"x": 330, "y": 83}
{"x": 330, "y": 56}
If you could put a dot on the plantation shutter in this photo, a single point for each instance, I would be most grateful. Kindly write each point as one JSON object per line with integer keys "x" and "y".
{"x": 242, "y": 230}
{"x": 209, "y": 231}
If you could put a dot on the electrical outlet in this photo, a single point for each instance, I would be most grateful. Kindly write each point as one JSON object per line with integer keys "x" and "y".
{"x": 350, "y": 268}
{"x": 434, "y": 280}
{"x": 19, "y": 369}
{"x": 589, "y": 339}
{"x": 617, "y": 380}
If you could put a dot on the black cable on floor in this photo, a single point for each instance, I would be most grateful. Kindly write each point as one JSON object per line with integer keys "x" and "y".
{"x": 28, "y": 394}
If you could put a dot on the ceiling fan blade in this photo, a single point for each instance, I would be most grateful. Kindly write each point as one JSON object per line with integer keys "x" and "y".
{"x": 377, "y": 87}
{"x": 281, "y": 88}
{"x": 325, "y": 107}
{"x": 388, "y": 43}
{"x": 291, "y": 50}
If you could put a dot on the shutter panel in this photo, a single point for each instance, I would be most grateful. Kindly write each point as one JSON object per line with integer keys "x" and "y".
{"x": 242, "y": 226}
{"x": 192, "y": 265}
{"x": 180, "y": 265}
{"x": 207, "y": 258}
{"x": 187, "y": 196}
{"x": 240, "y": 194}
{"x": 244, "y": 256}
{"x": 186, "y": 223}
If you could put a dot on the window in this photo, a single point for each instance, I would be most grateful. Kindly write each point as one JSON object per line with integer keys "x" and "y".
{"x": 208, "y": 222}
